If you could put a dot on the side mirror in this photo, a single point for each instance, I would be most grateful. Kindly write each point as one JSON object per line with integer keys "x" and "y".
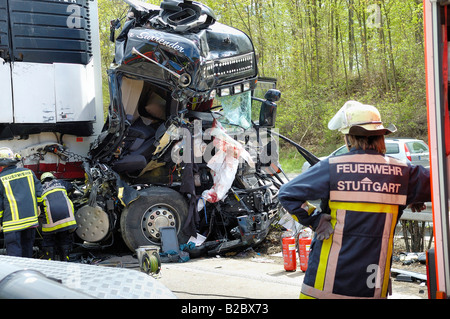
{"x": 268, "y": 112}
{"x": 273, "y": 95}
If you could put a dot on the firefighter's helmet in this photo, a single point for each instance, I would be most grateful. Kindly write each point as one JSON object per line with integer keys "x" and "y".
{"x": 7, "y": 156}
{"x": 355, "y": 118}
{"x": 47, "y": 175}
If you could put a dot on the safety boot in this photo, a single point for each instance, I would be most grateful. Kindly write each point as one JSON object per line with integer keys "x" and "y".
{"x": 64, "y": 253}
{"x": 49, "y": 253}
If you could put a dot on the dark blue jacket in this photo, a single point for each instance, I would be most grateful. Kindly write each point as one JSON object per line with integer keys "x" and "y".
{"x": 365, "y": 193}
{"x": 58, "y": 208}
{"x": 20, "y": 191}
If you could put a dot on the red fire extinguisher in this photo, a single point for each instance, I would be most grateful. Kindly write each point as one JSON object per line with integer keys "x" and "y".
{"x": 304, "y": 243}
{"x": 289, "y": 253}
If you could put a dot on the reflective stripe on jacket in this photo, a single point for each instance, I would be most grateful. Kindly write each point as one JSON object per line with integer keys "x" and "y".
{"x": 58, "y": 208}
{"x": 366, "y": 193}
{"x": 19, "y": 193}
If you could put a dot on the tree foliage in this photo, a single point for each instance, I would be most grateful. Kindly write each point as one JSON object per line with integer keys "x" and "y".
{"x": 325, "y": 52}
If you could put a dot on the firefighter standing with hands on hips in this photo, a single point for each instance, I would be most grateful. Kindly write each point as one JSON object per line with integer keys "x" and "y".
{"x": 59, "y": 217}
{"x": 363, "y": 194}
{"x": 19, "y": 194}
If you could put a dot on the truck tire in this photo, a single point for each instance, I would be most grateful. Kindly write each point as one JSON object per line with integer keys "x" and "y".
{"x": 156, "y": 207}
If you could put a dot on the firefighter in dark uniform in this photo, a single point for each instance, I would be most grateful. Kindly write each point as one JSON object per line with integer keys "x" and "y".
{"x": 363, "y": 194}
{"x": 19, "y": 194}
{"x": 59, "y": 217}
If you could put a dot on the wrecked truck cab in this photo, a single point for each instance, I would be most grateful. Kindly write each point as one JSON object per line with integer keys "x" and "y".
{"x": 181, "y": 146}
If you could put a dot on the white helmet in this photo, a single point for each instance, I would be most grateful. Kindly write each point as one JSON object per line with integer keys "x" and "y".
{"x": 7, "y": 156}
{"x": 359, "y": 119}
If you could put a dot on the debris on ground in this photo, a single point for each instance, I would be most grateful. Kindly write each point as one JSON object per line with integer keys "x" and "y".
{"x": 408, "y": 276}
{"x": 410, "y": 258}
{"x": 272, "y": 243}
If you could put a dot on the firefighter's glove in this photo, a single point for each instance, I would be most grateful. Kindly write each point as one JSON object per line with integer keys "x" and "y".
{"x": 324, "y": 229}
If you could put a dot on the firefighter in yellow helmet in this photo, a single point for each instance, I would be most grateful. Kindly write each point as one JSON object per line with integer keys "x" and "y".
{"x": 59, "y": 217}
{"x": 363, "y": 194}
{"x": 19, "y": 194}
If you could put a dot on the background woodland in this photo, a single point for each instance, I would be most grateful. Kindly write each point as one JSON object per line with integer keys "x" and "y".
{"x": 323, "y": 53}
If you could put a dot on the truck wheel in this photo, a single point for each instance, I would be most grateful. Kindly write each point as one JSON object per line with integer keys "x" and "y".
{"x": 156, "y": 207}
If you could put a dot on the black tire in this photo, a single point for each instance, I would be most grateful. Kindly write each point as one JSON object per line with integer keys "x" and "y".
{"x": 156, "y": 207}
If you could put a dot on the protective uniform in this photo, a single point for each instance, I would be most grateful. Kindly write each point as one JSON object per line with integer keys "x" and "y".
{"x": 19, "y": 194}
{"x": 59, "y": 217}
{"x": 364, "y": 193}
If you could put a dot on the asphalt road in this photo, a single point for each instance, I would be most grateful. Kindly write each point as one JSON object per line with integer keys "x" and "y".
{"x": 226, "y": 277}
{"x": 248, "y": 278}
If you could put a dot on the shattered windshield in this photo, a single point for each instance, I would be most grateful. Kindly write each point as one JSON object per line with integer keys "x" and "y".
{"x": 236, "y": 110}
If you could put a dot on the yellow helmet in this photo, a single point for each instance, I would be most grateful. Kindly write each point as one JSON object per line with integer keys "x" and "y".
{"x": 47, "y": 175}
{"x": 360, "y": 119}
